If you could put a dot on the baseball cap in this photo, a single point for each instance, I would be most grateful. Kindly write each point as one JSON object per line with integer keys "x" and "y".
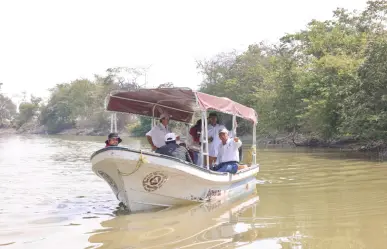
{"x": 170, "y": 137}
{"x": 224, "y": 130}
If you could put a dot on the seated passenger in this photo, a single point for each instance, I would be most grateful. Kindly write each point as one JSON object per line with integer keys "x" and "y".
{"x": 113, "y": 140}
{"x": 171, "y": 148}
{"x": 228, "y": 154}
{"x": 156, "y": 135}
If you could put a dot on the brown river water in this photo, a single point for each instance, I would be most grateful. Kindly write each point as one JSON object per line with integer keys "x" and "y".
{"x": 50, "y": 198}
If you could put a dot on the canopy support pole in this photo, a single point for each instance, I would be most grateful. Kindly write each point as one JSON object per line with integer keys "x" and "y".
{"x": 111, "y": 122}
{"x": 115, "y": 122}
{"x": 233, "y": 129}
{"x": 187, "y": 128}
{"x": 153, "y": 116}
{"x": 254, "y": 154}
{"x": 204, "y": 140}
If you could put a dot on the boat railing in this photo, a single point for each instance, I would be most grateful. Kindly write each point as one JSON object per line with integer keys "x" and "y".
{"x": 150, "y": 153}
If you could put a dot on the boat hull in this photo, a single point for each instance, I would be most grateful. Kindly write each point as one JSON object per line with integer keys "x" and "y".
{"x": 145, "y": 181}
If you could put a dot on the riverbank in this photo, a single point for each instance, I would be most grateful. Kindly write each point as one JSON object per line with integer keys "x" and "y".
{"x": 32, "y": 128}
{"x": 40, "y": 130}
{"x": 7, "y": 131}
{"x": 284, "y": 140}
{"x": 343, "y": 143}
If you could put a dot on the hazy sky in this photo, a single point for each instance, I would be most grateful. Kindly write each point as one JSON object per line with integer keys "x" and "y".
{"x": 43, "y": 43}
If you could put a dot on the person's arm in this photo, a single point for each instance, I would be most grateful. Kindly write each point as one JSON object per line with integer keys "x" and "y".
{"x": 217, "y": 159}
{"x": 235, "y": 127}
{"x": 149, "y": 138}
{"x": 219, "y": 155}
{"x": 188, "y": 156}
{"x": 237, "y": 142}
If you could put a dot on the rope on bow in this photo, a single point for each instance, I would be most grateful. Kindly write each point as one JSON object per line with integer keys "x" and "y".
{"x": 141, "y": 160}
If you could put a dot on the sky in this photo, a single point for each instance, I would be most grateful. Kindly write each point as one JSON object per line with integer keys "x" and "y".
{"x": 43, "y": 43}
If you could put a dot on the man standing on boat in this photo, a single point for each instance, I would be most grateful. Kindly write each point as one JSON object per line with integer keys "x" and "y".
{"x": 157, "y": 134}
{"x": 228, "y": 156}
{"x": 213, "y": 137}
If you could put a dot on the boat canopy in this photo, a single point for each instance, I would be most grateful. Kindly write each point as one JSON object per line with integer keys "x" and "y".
{"x": 179, "y": 103}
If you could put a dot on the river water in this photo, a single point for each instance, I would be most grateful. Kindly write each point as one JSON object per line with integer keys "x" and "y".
{"x": 50, "y": 198}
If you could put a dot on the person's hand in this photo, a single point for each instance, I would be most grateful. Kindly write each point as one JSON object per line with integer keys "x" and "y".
{"x": 154, "y": 148}
{"x": 210, "y": 139}
{"x": 178, "y": 137}
{"x": 236, "y": 139}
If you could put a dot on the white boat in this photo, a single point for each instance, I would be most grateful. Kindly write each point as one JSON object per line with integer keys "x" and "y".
{"x": 144, "y": 180}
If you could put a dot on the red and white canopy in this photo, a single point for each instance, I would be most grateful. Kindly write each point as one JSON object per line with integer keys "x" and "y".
{"x": 179, "y": 103}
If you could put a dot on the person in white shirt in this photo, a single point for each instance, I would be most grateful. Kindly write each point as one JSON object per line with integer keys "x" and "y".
{"x": 157, "y": 134}
{"x": 228, "y": 156}
{"x": 213, "y": 137}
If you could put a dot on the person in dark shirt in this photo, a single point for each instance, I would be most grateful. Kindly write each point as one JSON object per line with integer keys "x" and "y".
{"x": 171, "y": 148}
{"x": 194, "y": 141}
{"x": 195, "y": 131}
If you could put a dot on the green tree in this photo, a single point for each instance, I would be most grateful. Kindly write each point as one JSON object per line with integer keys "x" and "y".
{"x": 28, "y": 111}
{"x": 314, "y": 80}
{"x": 365, "y": 110}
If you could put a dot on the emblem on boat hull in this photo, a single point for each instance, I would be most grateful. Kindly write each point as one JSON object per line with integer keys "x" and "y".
{"x": 154, "y": 181}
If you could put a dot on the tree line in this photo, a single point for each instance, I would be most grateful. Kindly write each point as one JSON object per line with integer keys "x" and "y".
{"x": 78, "y": 104}
{"x": 326, "y": 81}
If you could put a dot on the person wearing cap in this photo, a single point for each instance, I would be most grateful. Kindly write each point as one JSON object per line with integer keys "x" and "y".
{"x": 171, "y": 148}
{"x": 156, "y": 135}
{"x": 113, "y": 140}
{"x": 213, "y": 137}
{"x": 228, "y": 156}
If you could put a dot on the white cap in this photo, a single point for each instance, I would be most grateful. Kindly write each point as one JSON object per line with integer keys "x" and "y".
{"x": 164, "y": 115}
{"x": 224, "y": 130}
{"x": 170, "y": 137}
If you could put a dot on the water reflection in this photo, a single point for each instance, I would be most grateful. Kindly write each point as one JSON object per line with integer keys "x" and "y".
{"x": 203, "y": 226}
